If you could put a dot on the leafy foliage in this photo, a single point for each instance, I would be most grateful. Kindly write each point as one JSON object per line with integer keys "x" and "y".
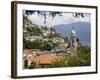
{"x": 28, "y": 44}
{"x": 59, "y": 63}
{"x": 47, "y": 46}
{"x": 26, "y": 63}
{"x": 32, "y": 65}
{"x": 81, "y": 58}
{"x": 38, "y": 44}
{"x": 78, "y": 15}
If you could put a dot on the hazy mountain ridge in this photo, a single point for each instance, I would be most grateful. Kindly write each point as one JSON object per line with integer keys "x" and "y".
{"x": 83, "y": 30}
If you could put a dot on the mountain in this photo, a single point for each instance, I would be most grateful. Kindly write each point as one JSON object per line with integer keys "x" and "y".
{"x": 82, "y": 29}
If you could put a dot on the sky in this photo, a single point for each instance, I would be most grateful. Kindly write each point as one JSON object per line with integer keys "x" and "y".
{"x": 66, "y": 18}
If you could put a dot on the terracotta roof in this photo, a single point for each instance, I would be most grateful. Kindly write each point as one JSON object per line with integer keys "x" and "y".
{"x": 47, "y": 58}
{"x": 41, "y": 59}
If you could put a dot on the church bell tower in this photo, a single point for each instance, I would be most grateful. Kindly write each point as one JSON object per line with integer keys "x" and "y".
{"x": 73, "y": 41}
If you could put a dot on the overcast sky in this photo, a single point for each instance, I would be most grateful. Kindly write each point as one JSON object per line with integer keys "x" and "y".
{"x": 66, "y": 18}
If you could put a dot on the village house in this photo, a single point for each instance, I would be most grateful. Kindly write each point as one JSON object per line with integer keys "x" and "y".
{"x": 45, "y": 32}
{"x": 57, "y": 39}
{"x": 28, "y": 23}
{"x": 33, "y": 38}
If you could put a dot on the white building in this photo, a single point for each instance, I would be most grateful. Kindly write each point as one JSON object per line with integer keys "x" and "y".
{"x": 33, "y": 38}
{"x": 59, "y": 40}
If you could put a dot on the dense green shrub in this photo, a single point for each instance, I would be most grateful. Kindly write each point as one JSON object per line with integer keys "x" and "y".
{"x": 32, "y": 65}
